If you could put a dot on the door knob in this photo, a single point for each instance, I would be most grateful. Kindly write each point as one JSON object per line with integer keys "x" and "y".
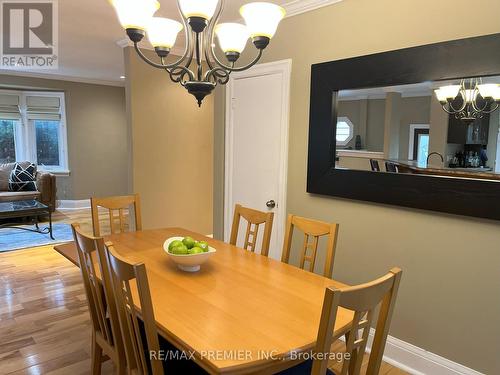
{"x": 271, "y": 204}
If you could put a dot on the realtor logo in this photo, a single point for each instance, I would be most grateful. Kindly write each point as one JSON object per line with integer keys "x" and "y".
{"x": 29, "y": 34}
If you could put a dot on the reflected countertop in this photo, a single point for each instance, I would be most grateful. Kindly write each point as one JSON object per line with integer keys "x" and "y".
{"x": 421, "y": 168}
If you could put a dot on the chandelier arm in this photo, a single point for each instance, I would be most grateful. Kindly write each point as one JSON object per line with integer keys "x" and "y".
{"x": 455, "y": 110}
{"x": 219, "y": 75}
{"x": 187, "y": 37}
{"x": 179, "y": 71}
{"x": 475, "y": 107}
{"x": 450, "y": 112}
{"x": 207, "y": 45}
{"x": 143, "y": 57}
{"x": 238, "y": 69}
{"x": 493, "y": 108}
{"x": 177, "y": 74}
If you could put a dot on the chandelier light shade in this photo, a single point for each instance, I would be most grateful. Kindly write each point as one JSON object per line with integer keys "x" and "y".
{"x": 200, "y": 22}
{"x": 135, "y": 14}
{"x": 470, "y": 100}
{"x": 262, "y": 19}
{"x": 162, "y": 32}
{"x": 489, "y": 90}
{"x": 232, "y": 37}
{"x": 447, "y": 92}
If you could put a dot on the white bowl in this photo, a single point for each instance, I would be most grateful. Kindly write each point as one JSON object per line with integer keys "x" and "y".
{"x": 188, "y": 262}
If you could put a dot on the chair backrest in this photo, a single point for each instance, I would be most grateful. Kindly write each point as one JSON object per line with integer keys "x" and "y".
{"x": 118, "y": 203}
{"x": 374, "y": 165}
{"x": 99, "y": 291}
{"x": 255, "y": 218}
{"x": 314, "y": 229}
{"x": 363, "y": 300}
{"x": 391, "y": 167}
{"x": 122, "y": 275}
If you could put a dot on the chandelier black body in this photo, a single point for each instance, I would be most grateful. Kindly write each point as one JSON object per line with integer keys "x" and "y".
{"x": 199, "y": 69}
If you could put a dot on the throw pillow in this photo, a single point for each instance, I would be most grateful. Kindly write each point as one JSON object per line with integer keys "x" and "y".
{"x": 23, "y": 178}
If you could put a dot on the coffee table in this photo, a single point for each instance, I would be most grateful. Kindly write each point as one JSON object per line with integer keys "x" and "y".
{"x": 27, "y": 208}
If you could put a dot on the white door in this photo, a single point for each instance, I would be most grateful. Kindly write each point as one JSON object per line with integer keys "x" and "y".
{"x": 257, "y": 104}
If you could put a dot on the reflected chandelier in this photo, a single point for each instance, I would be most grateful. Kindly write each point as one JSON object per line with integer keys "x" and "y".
{"x": 470, "y": 100}
{"x": 199, "y": 20}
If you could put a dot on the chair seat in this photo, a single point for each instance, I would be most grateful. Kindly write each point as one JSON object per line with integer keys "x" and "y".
{"x": 303, "y": 368}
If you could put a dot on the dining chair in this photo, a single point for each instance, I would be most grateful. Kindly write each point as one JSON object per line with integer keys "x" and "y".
{"x": 391, "y": 167}
{"x": 123, "y": 274}
{"x": 363, "y": 299}
{"x": 106, "y": 336}
{"x": 113, "y": 204}
{"x": 314, "y": 229}
{"x": 255, "y": 218}
{"x": 374, "y": 165}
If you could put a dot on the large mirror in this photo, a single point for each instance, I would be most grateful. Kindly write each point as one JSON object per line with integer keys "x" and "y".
{"x": 416, "y": 127}
{"x": 447, "y": 128}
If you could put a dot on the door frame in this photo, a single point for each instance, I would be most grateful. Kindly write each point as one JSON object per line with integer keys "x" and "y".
{"x": 284, "y": 67}
{"x": 411, "y": 142}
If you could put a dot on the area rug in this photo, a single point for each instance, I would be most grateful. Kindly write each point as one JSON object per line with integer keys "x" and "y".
{"x": 15, "y": 239}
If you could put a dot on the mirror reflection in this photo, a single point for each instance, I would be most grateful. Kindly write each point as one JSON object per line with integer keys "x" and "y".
{"x": 448, "y": 128}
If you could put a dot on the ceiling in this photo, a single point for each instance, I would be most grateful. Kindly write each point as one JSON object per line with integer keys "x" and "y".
{"x": 89, "y": 32}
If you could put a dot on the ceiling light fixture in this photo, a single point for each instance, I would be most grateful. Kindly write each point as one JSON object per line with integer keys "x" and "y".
{"x": 470, "y": 100}
{"x": 200, "y": 23}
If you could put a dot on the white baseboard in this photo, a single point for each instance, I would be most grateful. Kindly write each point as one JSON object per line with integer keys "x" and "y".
{"x": 418, "y": 361}
{"x": 73, "y": 204}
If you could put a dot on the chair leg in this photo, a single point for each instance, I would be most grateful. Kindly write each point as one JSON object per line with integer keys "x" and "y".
{"x": 96, "y": 357}
{"x": 121, "y": 369}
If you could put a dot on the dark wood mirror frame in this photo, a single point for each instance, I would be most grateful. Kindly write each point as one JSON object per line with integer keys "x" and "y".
{"x": 471, "y": 57}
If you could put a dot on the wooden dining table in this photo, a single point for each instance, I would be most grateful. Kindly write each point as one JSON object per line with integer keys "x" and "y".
{"x": 241, "y": 313}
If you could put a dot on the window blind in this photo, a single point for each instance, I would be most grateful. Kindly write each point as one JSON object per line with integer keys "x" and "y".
{"x": 43, "y": 108}
{"x": 9, "y": 107}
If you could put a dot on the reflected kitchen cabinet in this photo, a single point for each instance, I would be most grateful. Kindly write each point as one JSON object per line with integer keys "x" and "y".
{"x": 475, "y": 133}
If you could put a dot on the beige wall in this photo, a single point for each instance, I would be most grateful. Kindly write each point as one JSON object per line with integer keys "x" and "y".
{"x": 415, "y": 110}
{"x": 172, "y": 143}
{"x": 449, "y": 299}
{"x": 97, "y": 136}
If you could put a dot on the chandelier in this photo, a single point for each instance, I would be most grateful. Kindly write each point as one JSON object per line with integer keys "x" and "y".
{"x": 199, "y": 20}
{"x": 470, "y": 100}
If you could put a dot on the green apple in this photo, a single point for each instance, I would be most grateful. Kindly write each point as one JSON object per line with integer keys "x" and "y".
{"x": 174, "y": 243}
{"x": 188, "y": 242}
{"x": 202, "y": 244}
{"x": 195, "y": 250}
{"x": 180, "y": 250}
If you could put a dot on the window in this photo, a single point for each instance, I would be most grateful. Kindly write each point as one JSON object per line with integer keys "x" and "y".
{"x": 422, "y": 148}
{"x": 33, "y": 128}
{"x": 345, "y": 131}
{"x": 7, "y": 141}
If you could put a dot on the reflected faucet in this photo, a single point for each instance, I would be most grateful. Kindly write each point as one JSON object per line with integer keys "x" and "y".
{"x": 435, "y": 153}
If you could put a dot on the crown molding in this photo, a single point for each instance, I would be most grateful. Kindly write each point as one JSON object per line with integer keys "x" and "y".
{"x": 297, "y": 7}
{"x": 61, "y": 77}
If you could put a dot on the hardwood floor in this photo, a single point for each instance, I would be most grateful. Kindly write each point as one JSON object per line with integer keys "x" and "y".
{"x": 44, "y": 321}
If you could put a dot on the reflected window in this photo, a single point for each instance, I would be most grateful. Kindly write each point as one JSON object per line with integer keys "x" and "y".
{"x": 345, "y": 131}
{"x": 422, "y": 148}
{"x": 47, "y": 142}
